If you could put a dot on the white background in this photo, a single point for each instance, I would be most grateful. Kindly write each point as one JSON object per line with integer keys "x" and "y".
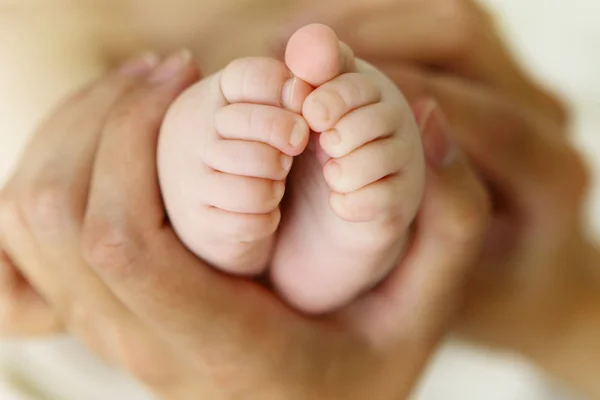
{"x": 558, "y": 40}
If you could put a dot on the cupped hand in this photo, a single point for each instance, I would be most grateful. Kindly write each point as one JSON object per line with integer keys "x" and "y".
{"x": 83, "y": 221}
{"x": 532, "y": 273}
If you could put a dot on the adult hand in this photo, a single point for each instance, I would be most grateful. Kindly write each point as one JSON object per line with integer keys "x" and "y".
{"x": 83, "y": 220}
{"x": 438, "y": 37}
{"x": 536, "y": 285}
{"x": 536, "y": 277}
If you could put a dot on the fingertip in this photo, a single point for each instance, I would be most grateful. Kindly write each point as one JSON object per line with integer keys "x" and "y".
{"x": 172, "y": 67}
{"x": 139, "y": 65}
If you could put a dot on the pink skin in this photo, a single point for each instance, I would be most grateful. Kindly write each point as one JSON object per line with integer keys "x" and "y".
{"x": 227, "y": 147}
{"x": 350, "y": 202}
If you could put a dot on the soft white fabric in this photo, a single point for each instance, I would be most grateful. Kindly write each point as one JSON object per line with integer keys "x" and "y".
{"x": 558, "y": 40}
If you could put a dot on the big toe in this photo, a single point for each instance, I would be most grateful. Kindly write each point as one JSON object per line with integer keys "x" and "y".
{"x": 315, "y": 55}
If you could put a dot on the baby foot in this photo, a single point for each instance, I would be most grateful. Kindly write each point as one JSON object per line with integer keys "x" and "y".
{"x": 351, "y": 200}
{"x": 225, "y": 150}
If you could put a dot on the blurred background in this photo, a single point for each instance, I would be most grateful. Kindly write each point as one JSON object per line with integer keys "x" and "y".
{"x": 556, "y": 40}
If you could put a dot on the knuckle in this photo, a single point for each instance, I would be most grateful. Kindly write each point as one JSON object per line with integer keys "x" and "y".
{"x": 457, "y": 16}
{"x": 110, "y": 246}
{"x": 47, "y": 207}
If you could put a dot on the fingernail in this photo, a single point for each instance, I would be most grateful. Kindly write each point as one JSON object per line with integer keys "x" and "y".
{"x": 440, "y": 149}
{"x": 139, "y": 65}
{"x": 287, "y": 94}
{"x": 286, "y": 162}
{"x": 170, "y": 67}
{"x": 423, "y": 112}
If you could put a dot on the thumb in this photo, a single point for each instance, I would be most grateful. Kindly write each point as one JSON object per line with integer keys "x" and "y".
{"x": 420, "y": 296}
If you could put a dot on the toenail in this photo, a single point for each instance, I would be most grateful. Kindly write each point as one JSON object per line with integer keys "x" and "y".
{"x": 321, "y": 111}
{"x": 286, "y": 162}
{"x": 331, "y": 137}
{"x": 287, "y": 94}
{"x": 171, "y": 66}
{"x": 139, "y": 65}
{"x": 334, "y": 171}
{"x": 298, "y": 134}
{"x": 278, "y": 189}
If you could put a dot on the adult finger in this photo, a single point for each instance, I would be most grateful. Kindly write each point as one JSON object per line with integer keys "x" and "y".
{"x": 455, "y": 35}
{"x": 418, "y": 298}
{"x": 520, "y": 148}
{"x": 129, "y": 245}
{"x": 417, "y": 83}
{"x": 43, "y": 204}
